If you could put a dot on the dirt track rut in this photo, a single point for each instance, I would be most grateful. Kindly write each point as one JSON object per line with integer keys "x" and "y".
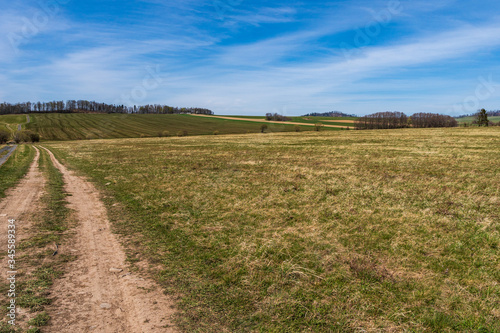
{"x": 94, "y": 295}
{"x": 18, "y": 202}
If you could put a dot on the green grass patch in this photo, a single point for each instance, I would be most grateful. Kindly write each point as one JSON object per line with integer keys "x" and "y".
{"x": 16, "y": 167}
{"x": 12, "y": 119}
{"x": 388, "y": 230}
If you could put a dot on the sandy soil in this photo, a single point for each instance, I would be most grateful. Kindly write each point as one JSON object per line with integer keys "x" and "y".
{"x": 266, "y": 121}
{"x": 98, "y": 294}
{"x": 18, "y": 204}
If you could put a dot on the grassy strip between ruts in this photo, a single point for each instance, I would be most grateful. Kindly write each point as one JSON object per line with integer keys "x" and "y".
{"x": 16, "y": 167}
{"x": 37, "y": 266}
{"x": 335, "y": 231}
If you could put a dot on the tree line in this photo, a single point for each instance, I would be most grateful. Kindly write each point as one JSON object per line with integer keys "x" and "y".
{"x": 488, "y": 113}
{"x": 388, "y": 120}
{"x": 71, "y": 106}
{"x": 276, "y": 117}
{"x": 329, "y": 114}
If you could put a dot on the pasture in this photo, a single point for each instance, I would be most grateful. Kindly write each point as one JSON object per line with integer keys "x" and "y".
{"x": 387, "y": 230}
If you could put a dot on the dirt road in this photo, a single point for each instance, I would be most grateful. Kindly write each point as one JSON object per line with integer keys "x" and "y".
{"x": 266, "y": 121}
{"x": 19, "y": 201}
{"x": 98, "y": 294}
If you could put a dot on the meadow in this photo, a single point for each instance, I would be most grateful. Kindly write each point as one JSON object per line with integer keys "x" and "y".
{"x": 350, "y": 231}
{"x": 79, "y": 126}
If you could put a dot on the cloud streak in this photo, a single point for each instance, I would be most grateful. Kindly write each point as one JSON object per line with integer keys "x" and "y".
{"x": 260, "y": 58}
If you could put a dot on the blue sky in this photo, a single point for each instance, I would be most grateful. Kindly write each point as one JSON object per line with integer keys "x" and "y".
{"x": 254, "y": 57}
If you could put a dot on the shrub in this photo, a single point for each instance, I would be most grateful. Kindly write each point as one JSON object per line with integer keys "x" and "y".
{"x": 297, "y": 128}
{"x": 263, "y": 128}
{"x": 216, "y": 132}
{"x": 19, "y": 137}
{"x": 34, "y": 137}
{"x": 318, "y": 126}
{"x": 165, "y": 133}
{"x": 4, "y": 136}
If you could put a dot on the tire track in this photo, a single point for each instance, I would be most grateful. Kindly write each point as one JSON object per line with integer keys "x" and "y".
{"x": 19, "y": 201}
{"x": 98, "y": 294}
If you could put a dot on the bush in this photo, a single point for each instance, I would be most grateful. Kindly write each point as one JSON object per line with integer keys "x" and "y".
{"x": 182, "y": 133}
{"x": 26, "y": 136}
{"x": 4, "y": 136}
{"x": 34, "y": 137}
{"x": 263, "y": 128}
{"x": 163, "y": 134}
{"x": 297, "y": 128}
{"x": 318, "y": 126}
{"x": 216, "y": 132}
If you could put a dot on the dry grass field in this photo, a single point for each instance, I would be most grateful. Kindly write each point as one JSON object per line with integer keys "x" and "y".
{"x": 352, "y": 231}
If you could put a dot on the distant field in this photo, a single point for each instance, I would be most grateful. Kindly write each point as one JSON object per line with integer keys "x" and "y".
{"x": 471, "y": 119}
{"x": 345, "y": 231}
{"x": 341, "y": 121}
{"x": 107, "y": 126}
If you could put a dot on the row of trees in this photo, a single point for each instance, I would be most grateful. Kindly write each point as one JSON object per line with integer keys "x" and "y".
{"x": 276, "y": 117}
{"x": 329, "y": 114}
{"x": 95, "y": 107}
{"x": 388, "y": 120}
{"x": 489, "y": 113}
{"x": 422, "y": 120}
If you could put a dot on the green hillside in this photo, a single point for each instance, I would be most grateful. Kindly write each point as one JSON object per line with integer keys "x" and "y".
{"x": 79, "y": 126}
{"x": 9, "y": 121}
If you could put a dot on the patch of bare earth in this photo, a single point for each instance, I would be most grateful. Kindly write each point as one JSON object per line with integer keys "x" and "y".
{"x": 18, "y": 205}
{"x": 98, "y": 293}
